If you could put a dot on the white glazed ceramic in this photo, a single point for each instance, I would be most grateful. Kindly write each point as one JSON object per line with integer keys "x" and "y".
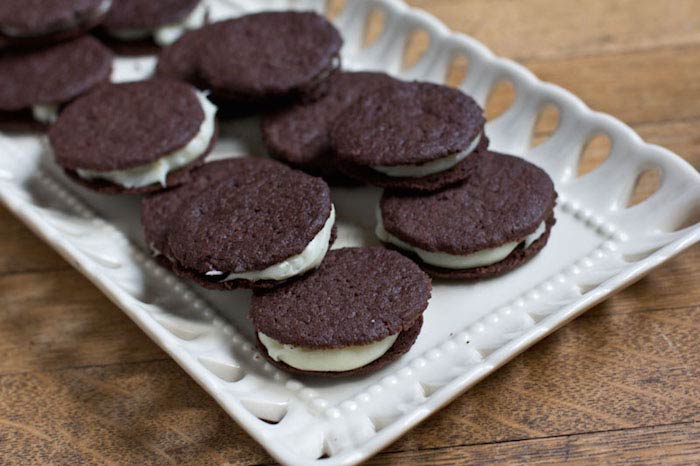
{"x": 597, "y": 247}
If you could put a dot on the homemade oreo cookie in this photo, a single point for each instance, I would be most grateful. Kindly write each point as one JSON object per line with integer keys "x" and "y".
{"x": 362, "y": 309}
{"x": 241, "y": 223}
{"x": 263, "y": 58}
{"x": 163, "y": 21}
{"x": 300, "y": 135}
{"x": 35, "y": 83}
{"x": 492, "y": 224}
{"x": 409, "y": 135}
{"x": 134, "y": 137}
{"x": 43, "y": 22}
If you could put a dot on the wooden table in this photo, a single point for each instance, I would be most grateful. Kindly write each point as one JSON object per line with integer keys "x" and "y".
{"x": 621, "y": 384}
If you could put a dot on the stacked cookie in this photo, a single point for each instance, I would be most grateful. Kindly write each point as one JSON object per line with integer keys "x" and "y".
{"x": 47, "y": 59}
{"x": 451, "y": 208}
{"x": 456, "y": 208}
{"x": 146, "y": 136}
{"x": 256, "y": 223}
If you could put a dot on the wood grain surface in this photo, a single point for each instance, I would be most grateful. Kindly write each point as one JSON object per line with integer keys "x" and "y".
{"x": 80, "y": 383}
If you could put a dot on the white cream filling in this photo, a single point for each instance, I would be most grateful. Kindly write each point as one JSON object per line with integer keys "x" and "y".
{"x": 451, "y": 261}
{"x": 168, "y": 34}
{"x": 45, "y": 113}
{"x": 308, "y": 259}
{"x": 101, "y": 9}
{"x": 429, "y": 168}
{"x": 157, "y": 172}
{"x": 326, "y": 360}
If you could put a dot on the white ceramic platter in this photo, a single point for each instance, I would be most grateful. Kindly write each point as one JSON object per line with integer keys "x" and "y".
{"x": 598, "y": 246}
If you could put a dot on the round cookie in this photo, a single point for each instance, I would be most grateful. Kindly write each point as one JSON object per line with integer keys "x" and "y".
{"x": 43, "y": 22}
{"x": 162, "y": 22}
{"x": 244, "y": 222}
{"x": 368, "y": 301}
{"x": 495, "y": 222}
{"x": 259, "y": 58}
{"x": 299, "y": 135}
{"x": 408, "y": 134}
{"x": 44, "y": 79}
{"x": 134, "y": 137}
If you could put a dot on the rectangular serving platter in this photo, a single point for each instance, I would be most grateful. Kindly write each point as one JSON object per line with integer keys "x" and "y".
{"x": 599, "y": 246}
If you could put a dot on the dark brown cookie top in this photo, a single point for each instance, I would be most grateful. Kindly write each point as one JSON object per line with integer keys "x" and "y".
{"x": 518, "y": 257}
{"x": 403, "y": 343}
{"x": 357, "y": 296}
{"x": 256, "y": 213}
{"x": 406, "y": 123}
{"x": 147, "y": 14}
{"x": 256, "y": 57}
{"x": 426, "y": 184}
{"x": 300, "y": 134}
{"x": 52, "y": 75}
{"x": 505, "y": 199}
{"x": 39, "y": 17}
{"x": 120, "y": 126}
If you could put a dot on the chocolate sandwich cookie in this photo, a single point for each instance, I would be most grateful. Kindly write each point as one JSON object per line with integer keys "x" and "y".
{"x": 362, "y": 309}
{"x": 492, "y": 224}
{"x": 241, "y": 223}
{"x": 160, "y": 23}
{"x": 134, "y": 137}
{"x": 409, "y": 135}
{"x": 300, "y": 134}
{"x": 262, "y": 58}
{"x": 44, "y": 22}
{"x": 34, "y": 84}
